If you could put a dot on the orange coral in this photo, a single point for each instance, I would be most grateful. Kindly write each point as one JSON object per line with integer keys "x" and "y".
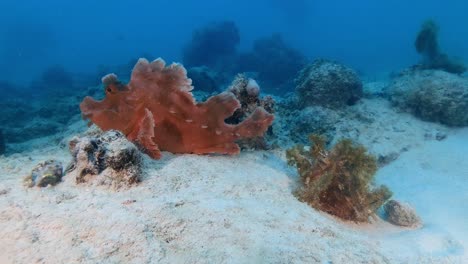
{"x": 157, "y": 111}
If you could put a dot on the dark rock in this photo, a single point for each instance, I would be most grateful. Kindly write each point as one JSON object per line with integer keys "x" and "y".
{"x": 276, "y": 63}
{"x": 204, "y": 79}
{"x": 4, "y": 190}
{"x": 440, "y": 136}
{"x": 432, "y": 95}
{"x": 384, "y": 160}
{"x": 107, "y": 159}
{"x": 401, "y": 214}
{"x": 328, "y": 84}
{"x": 46, "y": 173}
{"x": 427, "y": 44}
{"x": 213, "y": 45}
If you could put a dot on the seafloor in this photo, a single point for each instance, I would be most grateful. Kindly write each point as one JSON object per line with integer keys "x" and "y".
{"x": 240, "y": 209}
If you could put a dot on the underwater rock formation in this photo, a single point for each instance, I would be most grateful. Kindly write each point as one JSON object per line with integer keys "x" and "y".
{"x": 338, "y": 181}
{"x": 401, "y": 214}
{"x": 156, "y": 110}
{"x": 247, "y": 91}
{"x": 311, "y": 120}
{"x": 28, "y": 114}
{"x": 212, "y": 45}
{"x": 56, "y": 77}
{"x": 205, "y": 79}
{"x": 55, "y": 81}
{"x": 46, "y": 173}
{"x": 328, "y": 84}
{"x": 427, "y": 45}
{"x": 275, "y": 62}
{"x": 432, "y": 95}
{"x": 108, "y": 159}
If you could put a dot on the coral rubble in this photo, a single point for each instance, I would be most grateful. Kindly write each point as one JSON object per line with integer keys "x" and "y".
{"x": 156, "y": 111}
{"x": 108, "y": 159}
{"x": 338, "y": 181}
{"x": 328, "y": 84}
{"x": 46, "y": 173}
{"x": 431, "y": 95}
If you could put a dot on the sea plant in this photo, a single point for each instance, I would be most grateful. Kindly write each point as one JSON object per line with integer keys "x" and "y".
{"x": 339, "y": 180}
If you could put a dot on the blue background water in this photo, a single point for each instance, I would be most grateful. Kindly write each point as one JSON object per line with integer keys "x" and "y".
{"x": 372, "y": 36}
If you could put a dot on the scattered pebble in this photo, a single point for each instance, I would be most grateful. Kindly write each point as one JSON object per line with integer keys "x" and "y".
{"x": 127, "y": 202}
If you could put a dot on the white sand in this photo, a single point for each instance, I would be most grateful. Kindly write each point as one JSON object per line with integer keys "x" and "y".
{"x": 212, "y": 209}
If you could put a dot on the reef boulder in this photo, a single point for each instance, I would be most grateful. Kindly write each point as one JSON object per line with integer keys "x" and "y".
{"x": 327, "y": 83}
{"x": 275, "y": 61}
{"x": 310, "y": 120}
{"x": 432, "y": 95}
{"x": 401, "y": 214}
{"x": 205, "y": 79}
{"x": 108, "y": 159}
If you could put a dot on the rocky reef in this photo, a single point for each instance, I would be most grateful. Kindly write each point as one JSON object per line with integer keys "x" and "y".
{"x": 107, "y": 159}
{"x": 296, "y": 124}
{"x": 432, "y": 95}
{"x": 327, "y": 83}
{"x": 212, "y": 45}
{"x": 275, "y": 62}
{"x": 427, "y": 44}
{"x": 205, "y": 79}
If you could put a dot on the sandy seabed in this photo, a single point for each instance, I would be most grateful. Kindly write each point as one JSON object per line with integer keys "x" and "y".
{"x": 241, "y": 209}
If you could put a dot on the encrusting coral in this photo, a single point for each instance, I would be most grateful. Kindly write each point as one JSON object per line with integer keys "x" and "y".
{"x": 156, "y": 110}
{"x": 329, "y": 84}
{"x": 338, "y": 181}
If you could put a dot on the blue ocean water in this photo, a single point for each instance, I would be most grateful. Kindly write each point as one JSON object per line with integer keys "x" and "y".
{"x": 373, "y": 37}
